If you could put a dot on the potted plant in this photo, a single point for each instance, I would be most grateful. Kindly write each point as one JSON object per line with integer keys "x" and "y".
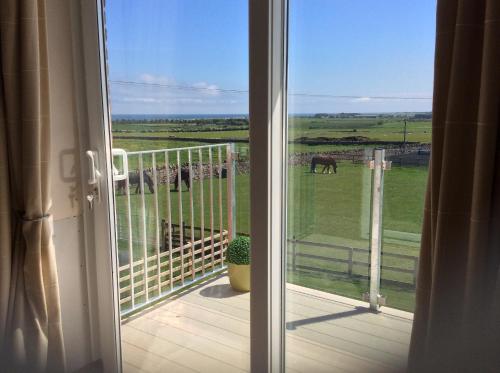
{"x": 238, "y": 258}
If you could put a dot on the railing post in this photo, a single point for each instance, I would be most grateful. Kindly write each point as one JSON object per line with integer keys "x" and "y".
{"x": 378, "y": 165}
{"x": 231, "y": 190}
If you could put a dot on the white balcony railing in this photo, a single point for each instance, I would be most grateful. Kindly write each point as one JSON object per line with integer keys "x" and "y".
{"x": 167, "y": 238}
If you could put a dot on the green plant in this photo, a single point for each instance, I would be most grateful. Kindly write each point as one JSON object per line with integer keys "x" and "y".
{"x": 238, "y": 251}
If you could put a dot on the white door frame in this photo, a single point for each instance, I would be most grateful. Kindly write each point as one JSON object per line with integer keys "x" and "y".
{"x": 99, "y": 222}
{"x": 268, "y": 148}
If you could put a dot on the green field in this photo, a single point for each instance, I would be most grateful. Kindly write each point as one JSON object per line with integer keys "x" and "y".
{"x": 332, "y": 209}
{"x": 374, "y": 129}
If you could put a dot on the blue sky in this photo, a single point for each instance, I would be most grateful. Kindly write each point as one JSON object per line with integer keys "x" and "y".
{"x": 191, "y": 56}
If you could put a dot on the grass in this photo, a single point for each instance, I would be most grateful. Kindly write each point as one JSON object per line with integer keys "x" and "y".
{"x": 332, "y": 209}
{"x": 388, "y": 130}
{"x": 373, "y": 128}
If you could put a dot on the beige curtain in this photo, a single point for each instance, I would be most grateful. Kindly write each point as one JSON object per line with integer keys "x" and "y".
{"x": 457, "y": 316}
{"x": 30, "y": 321}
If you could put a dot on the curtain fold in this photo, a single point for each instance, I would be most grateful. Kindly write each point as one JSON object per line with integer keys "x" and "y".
{"x": 457, "y": 318}
{"x": 31, "y": 337}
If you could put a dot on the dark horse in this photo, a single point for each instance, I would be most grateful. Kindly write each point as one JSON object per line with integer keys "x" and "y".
{"x": 135, "y": 179}
{"x": 325, "y": 160}
{"x": 184, "y": 177}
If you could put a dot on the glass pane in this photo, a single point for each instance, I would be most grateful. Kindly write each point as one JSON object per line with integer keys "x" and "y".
{"x": 178, "y": 82}
{"x": 360, "y": 79}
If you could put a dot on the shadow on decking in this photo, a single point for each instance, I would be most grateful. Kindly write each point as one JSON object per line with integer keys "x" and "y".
{"x": 219, "y": 291}
{"x": 292, "y": 325}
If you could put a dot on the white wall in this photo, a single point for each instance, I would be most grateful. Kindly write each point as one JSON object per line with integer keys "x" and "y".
{"x": 66, "y": 185}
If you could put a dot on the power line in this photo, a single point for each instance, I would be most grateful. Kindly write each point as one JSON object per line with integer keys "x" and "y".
{"x": 240, "y": 91}
{"x": 177, "y": 86}
{"x": 359, "y": 97}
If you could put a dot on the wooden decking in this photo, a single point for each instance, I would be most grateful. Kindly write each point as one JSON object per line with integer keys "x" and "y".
{"x": 206, "y": 329}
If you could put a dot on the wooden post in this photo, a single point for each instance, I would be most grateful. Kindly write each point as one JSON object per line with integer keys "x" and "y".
{"x": 349, "y": 268}
{"x": 163, "y": 245}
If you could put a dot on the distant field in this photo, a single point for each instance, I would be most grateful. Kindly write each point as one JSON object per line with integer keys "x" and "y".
{"x": 311, "y": 128}
{"x": 374, "y": 129}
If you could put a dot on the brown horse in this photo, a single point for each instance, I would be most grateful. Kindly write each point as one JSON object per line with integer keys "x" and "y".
{"x": 325, "y": 160}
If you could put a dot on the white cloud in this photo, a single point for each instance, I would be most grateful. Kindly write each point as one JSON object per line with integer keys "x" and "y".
{"x": 165, "y": 94}
{"x": 362, "y": 99}
{"x": 148, "y": 100}
{"x": 210, "y": 89}
{"x": 155, "y": 79}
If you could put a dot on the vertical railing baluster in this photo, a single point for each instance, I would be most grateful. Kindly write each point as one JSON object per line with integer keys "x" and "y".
{"x": 220, "y": 207}
{"x": 181, "y": 230}
{"x": 169, "y": 222}
{"x": 144, "y": 233}
{"x": 231, "y": 191}
{"x": 130, "y": 241}
{"x": 211, "y": 190}
{"x": 191, "y": 211}
{"x": 157, "y": 221}
{"x": 202, "y": 211}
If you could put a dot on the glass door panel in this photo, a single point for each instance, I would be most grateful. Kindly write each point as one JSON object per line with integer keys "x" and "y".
{"x": 178, "y": 82}
{"x": 359, "y": 108}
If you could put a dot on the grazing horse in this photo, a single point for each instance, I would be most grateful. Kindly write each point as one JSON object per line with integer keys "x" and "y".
{"x": 325, "y": 160}
{"x": 184, "y": 177}
{"x": 135, "y": 179}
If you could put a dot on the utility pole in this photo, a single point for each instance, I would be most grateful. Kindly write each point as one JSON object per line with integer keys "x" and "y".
{"x": 404, "y": 135}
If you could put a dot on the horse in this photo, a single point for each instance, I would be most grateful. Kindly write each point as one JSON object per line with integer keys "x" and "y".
{"x": 184, "y": 177}
{"x": 135, "y": 179}
{"x": 326, "y": 160}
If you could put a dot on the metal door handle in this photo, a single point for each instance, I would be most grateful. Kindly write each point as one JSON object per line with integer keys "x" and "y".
{"x": 94, "y": 194}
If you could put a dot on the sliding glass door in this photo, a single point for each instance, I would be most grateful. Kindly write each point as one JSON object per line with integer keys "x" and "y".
{"x": 359, "y": 102}
{"x": 177, "y": 73}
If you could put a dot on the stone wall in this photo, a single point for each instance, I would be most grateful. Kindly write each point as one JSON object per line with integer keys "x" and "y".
{"x": 411, "y": 155}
